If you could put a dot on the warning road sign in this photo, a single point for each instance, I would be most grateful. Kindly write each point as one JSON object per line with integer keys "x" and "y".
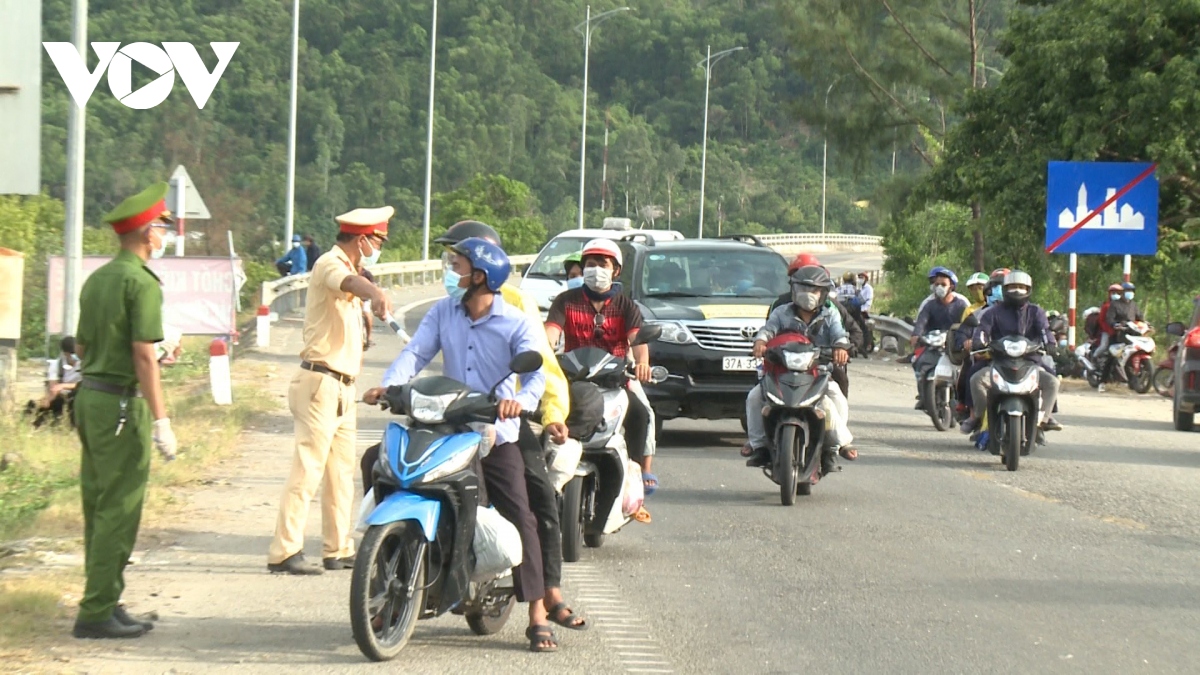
{"x": 194, "y": 205}
{"x": 1102, "y": 208}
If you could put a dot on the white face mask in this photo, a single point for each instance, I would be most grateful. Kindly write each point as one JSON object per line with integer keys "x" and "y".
{"x": 806, "y": 300}
{"x": 598, "y": 279}
{"x": 159, "y": 252}
{"x": 940, "y": 291}
{"x": 368, "y": 260}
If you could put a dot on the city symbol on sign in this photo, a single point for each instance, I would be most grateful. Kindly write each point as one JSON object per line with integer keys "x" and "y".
{"x": 172, "y": 57}
{"x": 1123, "y": 222}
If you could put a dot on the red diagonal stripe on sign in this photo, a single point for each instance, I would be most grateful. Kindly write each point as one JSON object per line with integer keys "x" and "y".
{"x": 1120, "y": 193}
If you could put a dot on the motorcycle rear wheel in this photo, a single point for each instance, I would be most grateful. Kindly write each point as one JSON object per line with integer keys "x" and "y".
{"x": 785, "y": 465}
{"x": 1140, "y": 380}
{"x": 1093, "y": 378}
{"x": 571, "y": 519}
{"x": 1014, "y": 435}
{"x": 490, "y": 620}
{"x": 387, "y": 588}
{"x": 1164, "y": 381}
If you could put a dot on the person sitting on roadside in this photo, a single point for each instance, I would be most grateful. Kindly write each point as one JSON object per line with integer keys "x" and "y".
{"x": 62, "y": 375}
{"x": 295, "y": 261}
{"x": 811, "y": 287}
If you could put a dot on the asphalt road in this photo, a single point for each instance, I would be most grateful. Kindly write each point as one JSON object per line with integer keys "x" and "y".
{"x": 923, "y": 556}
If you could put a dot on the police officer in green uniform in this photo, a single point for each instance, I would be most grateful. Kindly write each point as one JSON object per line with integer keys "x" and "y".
{"x": 119, "y": 408}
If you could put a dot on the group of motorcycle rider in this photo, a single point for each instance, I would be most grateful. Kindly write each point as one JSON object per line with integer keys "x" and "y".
{"x": 1104, "y": 325}
{"x": 485, "y": 321}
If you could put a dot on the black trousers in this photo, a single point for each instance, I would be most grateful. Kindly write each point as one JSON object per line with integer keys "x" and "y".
{"x": 504, "y": 476}
{"x": 637, "y": 427}
{"x": 543, "y": 500}
{"x": 841, "y": 375}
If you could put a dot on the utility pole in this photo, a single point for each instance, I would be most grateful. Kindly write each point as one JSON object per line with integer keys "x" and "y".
{"x": 604, "y": 166}
{"x": 289, "y": 213}
{"x": 587, "y": 48}
{"x": 76, "y": 142}
{"x": 429, "y": 135}
{"x": 708, "y": 62}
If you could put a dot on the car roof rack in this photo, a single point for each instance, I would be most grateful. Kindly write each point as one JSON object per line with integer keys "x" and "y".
{"x": 745, "y": 239}
{"x": 639, "y": 238}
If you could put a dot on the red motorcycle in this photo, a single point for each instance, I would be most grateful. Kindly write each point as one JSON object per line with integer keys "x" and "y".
{"x": 1164, "y": 373}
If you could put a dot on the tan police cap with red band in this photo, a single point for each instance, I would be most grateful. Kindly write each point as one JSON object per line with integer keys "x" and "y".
{"x": 366, "y": 221}
{"x": 141, "y": 209}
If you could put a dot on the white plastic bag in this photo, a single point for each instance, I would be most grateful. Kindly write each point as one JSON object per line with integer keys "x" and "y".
{"x": 634, "y": 493}
{"x": 365, "y": 509}
{"x": 497, "y": 545}
{"x": 565, "y": 461}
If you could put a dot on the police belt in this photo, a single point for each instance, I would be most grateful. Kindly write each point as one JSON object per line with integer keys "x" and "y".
{"x": 108, "y": 388}
{"x": 325, "y": 370}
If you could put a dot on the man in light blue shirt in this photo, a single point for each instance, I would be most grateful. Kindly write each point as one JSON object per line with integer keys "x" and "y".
{"x": 478, "y": 335}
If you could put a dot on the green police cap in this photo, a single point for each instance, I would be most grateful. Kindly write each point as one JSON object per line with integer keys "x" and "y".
{"x": 141, "y": 209}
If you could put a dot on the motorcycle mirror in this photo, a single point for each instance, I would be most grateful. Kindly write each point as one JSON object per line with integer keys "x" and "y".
{"x": 647, "y": 333}
{"x": 525, "y": 362}
{"x": 1175, "y": 328}
{"x": 658, "y": 374}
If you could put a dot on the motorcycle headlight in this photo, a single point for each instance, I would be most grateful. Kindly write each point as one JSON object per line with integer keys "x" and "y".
{"x": 429, "y": 409}
{"x": 675, "y": 333}
{"x": 936, "y": 339}
{"x": 1016, "y": 348}
{"x": 456, "y": 463}
{"x": 799, "y": 361}
{"x": 1025, "y": 385}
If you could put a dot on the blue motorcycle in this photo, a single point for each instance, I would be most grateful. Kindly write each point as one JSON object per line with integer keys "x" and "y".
{"x": 415, "y": 560}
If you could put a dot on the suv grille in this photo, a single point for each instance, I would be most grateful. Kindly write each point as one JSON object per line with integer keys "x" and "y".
{"x": 728, "y": 338}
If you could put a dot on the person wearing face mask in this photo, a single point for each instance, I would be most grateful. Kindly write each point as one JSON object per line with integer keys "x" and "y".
{"x": 942, "y": 313}
{"x": 1016, "y": 315}
{"x": 597, "y": 315}
{"x": 1119, "y": 309}
{"x": 295, "y": 261}
{"x": 991, "y": 294}
{"x": 573, "y": 266}
{"x": 839, "y": 373}
{"x": 478, "y": 335}
{"x": 120, "y": 412}
{"x": 554, "y": 408}
{"x": 322, "y": 396}
{"x": 810, "y": 286}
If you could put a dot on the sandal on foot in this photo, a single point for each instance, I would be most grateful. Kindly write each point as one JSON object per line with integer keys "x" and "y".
{"x": 649, "y": 483}
{"x": 747, "y": 450}
{"x": 642, "y": 515}
{"x": 569, "y": 620}
{"x": 848, "y": 453}
{"x": 539, "y": 634}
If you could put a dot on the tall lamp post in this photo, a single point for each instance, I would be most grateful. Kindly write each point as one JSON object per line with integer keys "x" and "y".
{"x": 429, "y": 134}
{"x": 585, "y": 29}
{"x": 708, "y": 61}
{"x": 288, "y": 209}
{"x": 825, "y": 159}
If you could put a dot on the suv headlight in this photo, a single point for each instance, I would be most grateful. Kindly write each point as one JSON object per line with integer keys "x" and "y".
{"x": 799, "y": 361}
{"x": 674, "y": 333}
{"x": 429, "y": 409}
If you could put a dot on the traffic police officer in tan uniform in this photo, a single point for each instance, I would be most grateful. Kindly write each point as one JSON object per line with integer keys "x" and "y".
{"x": 119, "y": 408}
{"x": 322, "y": 395}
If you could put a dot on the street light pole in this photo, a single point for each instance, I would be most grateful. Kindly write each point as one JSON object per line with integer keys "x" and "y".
{"x": 288, "y": 210}
{"x": 825, "y": 159}
{"x": 587, "y": 45}
{"x": 708, "y": 62}
{"x": 429, "y": 134}
{"x": 73, "y": 227}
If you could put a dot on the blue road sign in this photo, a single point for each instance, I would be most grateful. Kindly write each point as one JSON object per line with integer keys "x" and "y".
{"x": 1107, "y": 208}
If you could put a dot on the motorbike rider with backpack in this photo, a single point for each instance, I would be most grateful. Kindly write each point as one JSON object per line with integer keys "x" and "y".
{"x": 810, "y": 286}
{"x": 598, "y": 315}
{"x": 1015, "y": 315}
{"x": 945, "y": 310}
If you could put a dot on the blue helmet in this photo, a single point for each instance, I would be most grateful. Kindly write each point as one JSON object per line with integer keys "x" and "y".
{"x": 1128, "y": 285}
{"x": 296, "y": 239}
{"x": 943, "y": 272}
{"x": 487, "y": 258}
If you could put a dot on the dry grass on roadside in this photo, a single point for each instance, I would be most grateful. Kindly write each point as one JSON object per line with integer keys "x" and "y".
{"x": 34, "y": 611}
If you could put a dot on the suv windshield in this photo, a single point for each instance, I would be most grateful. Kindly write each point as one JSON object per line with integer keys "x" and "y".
{"x": 550, "y": 262}
{"x": 748, "y": 273}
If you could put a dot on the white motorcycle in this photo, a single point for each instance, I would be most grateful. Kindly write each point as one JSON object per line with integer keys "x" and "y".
{"x": 939, "y": 382}
{"x": 1132, "y": 360}
{"x": 605, "y": 489}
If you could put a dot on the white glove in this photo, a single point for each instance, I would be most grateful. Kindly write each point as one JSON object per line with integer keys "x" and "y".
{"x": 164, "y": 438}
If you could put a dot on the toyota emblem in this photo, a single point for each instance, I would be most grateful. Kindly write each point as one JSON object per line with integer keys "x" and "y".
{"x": 749, "y": 332}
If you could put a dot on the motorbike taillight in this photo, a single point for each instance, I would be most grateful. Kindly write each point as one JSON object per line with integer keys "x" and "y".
{"x": 1192, "y": 339}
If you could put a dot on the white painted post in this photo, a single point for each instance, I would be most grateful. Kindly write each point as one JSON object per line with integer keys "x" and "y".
{"x": 1071, "y": 300}
{"x": 218, "y": 372}
{"x": 262, "y": 328}
{"x": 1127, "y": 267}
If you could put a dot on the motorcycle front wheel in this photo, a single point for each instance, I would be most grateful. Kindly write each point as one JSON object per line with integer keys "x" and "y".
{"x": 785, "y": 466}
{"x": 943, "y": 411}
{"x": 1014, "y": 434}
{"x": 387, "y": 588}
{"x": 1164, "y": 381}
{"x": 1139, "y": 376}
{"x": 572, "y": 519}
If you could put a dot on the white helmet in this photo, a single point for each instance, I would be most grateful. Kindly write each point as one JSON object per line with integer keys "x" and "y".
{"x": 1090, "y": 311}
{"x": 605, "y": 247}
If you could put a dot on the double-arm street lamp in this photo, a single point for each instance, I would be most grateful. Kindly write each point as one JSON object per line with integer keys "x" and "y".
{"x": 585, "y": 29}
{"x": 707, "y": 62}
